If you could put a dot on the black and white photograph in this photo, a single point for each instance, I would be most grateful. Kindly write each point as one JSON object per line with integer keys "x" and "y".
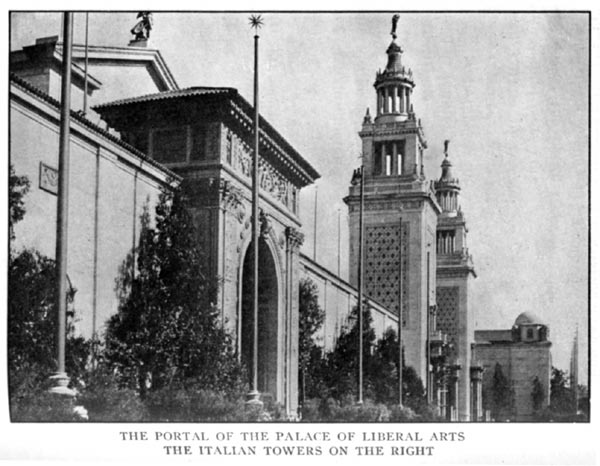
{"x": 253, "y": 234}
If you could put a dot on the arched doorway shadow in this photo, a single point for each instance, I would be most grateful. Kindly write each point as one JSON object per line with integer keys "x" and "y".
{"x": 268, "y": 299}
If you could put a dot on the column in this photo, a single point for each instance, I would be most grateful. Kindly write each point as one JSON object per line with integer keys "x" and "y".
{"x": 387, "y": 100}
{"x": 476, "y": 402}
{"x": 453, "y": 390}
{"x": 407, "y": 100}
{"x": 291, "y": 383}
{"x": 394, "y": 170}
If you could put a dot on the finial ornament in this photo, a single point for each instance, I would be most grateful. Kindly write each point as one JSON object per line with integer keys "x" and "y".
{"x": 446, "y": 143}
{"x": 395, "y": 19}
{"x": 256, "y": 22}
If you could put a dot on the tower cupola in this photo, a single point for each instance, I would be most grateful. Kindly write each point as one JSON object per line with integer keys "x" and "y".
{"x": 394, "y": 85}
{"x": 447, "y": 187}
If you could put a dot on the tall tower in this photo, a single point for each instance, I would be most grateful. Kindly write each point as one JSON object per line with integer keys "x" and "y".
{"x": 454, "y": 272}
{"x": 400, "y": 210}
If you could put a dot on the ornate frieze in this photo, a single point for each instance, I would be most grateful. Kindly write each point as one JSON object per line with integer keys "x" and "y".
{"x": 270, "y": 180}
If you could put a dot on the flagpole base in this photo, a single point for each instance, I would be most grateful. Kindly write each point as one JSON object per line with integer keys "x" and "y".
{"x": 253, "y": 399}
{"x": 60, "y": 381}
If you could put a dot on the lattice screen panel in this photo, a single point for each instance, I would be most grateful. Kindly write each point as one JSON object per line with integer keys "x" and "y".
{"x": 447, "y": 315}
{"x": 382, "y": 266}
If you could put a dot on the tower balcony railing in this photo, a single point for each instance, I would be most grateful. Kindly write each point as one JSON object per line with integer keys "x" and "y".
{"x": 403, "y": 72}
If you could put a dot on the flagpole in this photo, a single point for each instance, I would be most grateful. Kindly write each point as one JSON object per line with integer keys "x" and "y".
{"x": 60, "y": 378}
{"x": 400, "y": 318}
{"x": 254, "y": 395}
{"x": 360, "y": 285}
{"x": 339, "y": 245}
{"x": 315, "y": 225}
{"x": 85, "y": 69}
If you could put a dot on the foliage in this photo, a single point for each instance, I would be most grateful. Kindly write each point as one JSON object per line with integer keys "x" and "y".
{"x": 563, "y": 405}
{"x": 310, "y": 321}
{"x": 167, "y": 331}
{"x": 502, "y": 396}
{"x": 32, "y": 324}
{"x": 32, "y": 327}
{"x": 341, "y": 366}
{"x": 562, "y": 398}
{"x": 18, "y": 186}
{"x": 345, "y": 410}
{"x": 537, "y": 394}
{"x": 384, "y": 375}
{"x": 333, "y": 387}
{"x": 189, "y": 405}
{"x": 106, "y": 401}
{"x": 39, "y": 405}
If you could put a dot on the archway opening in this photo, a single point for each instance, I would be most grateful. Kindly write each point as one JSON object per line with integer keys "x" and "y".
{"x": 267, "y": 318}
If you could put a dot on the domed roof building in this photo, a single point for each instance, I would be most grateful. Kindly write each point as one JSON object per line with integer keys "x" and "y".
{"x": 519, "y": 356}
{"x": 528, "y": 318}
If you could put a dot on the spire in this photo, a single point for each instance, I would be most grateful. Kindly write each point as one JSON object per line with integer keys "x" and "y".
{"x": 446, "y": 165}
{"x": 367, "y": 118}
{"x": 447, "y": 187}
{"x": 394, "y": 84}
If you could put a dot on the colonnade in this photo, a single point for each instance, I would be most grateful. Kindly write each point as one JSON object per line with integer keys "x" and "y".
{"x": 446, "y": 242}
{"x": 393, "y": 99}
{"x": 448, "y": 201}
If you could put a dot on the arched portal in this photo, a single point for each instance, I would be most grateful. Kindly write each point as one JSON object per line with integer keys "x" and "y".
{"x": 268, "y": 299}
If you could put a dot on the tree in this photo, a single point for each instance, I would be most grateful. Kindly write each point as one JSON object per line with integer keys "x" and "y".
{"x": 167, "y": 332}
{"x": 341, "y": 373}
{"x": 18, "y": 188}
{"x": 561, "y": 395}
{"x": 309, "y": 353}
{"x": 502, "y": 399}
{"x": 384, "y": 375}
{"x": 537, "y": 394}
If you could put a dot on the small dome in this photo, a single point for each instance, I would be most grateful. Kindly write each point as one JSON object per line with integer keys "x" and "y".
{"x": 528, "y": 318}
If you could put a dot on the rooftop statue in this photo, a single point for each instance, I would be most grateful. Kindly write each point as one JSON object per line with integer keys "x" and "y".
{"x": 395, "y": 19}
{"x": 142, "y": 28}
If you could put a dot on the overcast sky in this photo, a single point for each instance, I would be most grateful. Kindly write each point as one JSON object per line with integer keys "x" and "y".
{"x": 509, "y": 90}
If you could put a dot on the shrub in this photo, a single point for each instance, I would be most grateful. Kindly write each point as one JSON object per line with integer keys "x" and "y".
{"x": 366, "y": 412}
{"x": 403, "y": 414}
{"x": 41, "y": 406}
{"x": 106, "y": 401}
